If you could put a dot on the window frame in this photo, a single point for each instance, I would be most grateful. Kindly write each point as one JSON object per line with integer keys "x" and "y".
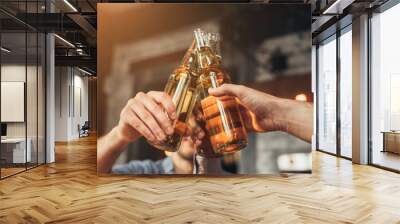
{"x": 347, "y": 27}
{"x": 27, "y": 29}
{"x": 378, "y": 10}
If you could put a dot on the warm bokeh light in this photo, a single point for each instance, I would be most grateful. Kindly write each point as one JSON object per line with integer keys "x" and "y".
{"x": 301, "y": 97}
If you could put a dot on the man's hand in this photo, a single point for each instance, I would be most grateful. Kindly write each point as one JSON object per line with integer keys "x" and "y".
{"x": 258, "y": 109}
{"x": 147, "y": 114}
{"x": 263, "y": 112}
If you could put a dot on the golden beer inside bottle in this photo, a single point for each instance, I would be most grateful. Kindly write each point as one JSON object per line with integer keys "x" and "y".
{"x": 197, "y": 120}
{"x": 224, "y": 124}
{"x": 223, "y": 121}
{"x": 180, "y": 89}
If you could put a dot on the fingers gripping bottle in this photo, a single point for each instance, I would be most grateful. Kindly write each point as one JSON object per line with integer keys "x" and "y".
{"x": 205, "y": 149}
{"x": 223, "y": 121}
{"x": 181, "y": 87}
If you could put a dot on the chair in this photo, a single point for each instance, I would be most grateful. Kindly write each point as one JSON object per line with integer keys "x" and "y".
{"x": 84, "y": 130}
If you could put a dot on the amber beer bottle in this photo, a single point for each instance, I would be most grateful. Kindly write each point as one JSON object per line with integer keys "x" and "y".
{"x": 223, "y": 121}
{"x": 181, "y": 87}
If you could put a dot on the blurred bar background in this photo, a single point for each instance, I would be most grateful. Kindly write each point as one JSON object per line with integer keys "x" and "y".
{"x": 265, "y": 47}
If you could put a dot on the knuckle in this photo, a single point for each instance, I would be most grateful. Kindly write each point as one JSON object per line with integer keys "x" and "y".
{"x": 132, "y": 102}
{"x": 170, "y": 105}
{"x": 163, "y": 120}
{"x": 140, "y": 94}
{"x": 164, "y": 94}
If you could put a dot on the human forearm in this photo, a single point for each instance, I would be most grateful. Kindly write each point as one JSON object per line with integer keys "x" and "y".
{"x": 109, "y": 147}
{"x": 144, "y": 115}
{"x": 265, "y": 112}
{"x": 295, "y": 118}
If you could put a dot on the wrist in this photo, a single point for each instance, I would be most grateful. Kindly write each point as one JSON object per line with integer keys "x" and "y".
{"x": 120, "y": 136}
{"x": 282, "y": 108}
{"x": 295, "y": 118}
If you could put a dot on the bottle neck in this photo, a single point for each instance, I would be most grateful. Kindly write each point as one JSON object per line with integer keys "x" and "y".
{"x": 207, "y": 58}
{"x": 188, "y": 57}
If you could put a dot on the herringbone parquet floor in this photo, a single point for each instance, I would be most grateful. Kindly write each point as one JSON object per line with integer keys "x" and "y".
{"x": 70, "y": 191}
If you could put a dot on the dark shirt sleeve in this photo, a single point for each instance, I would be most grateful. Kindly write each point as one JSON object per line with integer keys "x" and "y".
{"x": 163, "y": 166}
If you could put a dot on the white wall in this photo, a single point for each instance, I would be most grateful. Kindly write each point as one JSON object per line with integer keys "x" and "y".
{"x": 71, "y": 93}
{"x": 80, "y": 84}
{"x": 16, "y": 73}
{"x": 33, "y": 127}
{"x": 62, "y": 81}
{"x": 12, "y": 73}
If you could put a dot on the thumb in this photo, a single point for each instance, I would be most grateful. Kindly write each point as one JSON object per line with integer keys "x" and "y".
{"x": 226, "y": 90}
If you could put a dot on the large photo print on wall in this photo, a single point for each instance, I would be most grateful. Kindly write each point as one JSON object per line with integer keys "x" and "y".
{"x": 204, "y": 89}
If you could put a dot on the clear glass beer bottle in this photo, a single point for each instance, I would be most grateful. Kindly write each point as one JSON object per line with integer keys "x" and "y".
{"x": 223, "y": 121}
{"x": 181, "y": 86}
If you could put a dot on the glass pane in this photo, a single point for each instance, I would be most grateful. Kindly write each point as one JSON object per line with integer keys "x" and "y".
{"x": 385, "y": 84}
{"x": 32, "y": 95}
{"x": 327, "y": 96}
{"x": 13, "y": 89}
{"x": 345, "y": 94}
{"x": 41, "y": 98}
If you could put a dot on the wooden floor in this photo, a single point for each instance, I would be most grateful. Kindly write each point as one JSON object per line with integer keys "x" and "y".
{"x": 5, "y": 172}
{"x": 70, "y": 191}
{"x": 387, "y": 159}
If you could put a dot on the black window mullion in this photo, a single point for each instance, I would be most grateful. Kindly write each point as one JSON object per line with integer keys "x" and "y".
{"x": 316, "y": 97}
{"x": 26, "y": 87}
{"x": 45, "y": 94}
{"x": 37, "y": 90}
{"x": 369, "y": 91}
{"x": 44, "y": 79}
{"x": 338, "y": 80}
{"x": 73, "y": 92}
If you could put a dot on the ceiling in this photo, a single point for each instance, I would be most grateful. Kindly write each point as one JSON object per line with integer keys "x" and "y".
{"x": 76, "y": 22}
{"x": 72, "y": 20}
